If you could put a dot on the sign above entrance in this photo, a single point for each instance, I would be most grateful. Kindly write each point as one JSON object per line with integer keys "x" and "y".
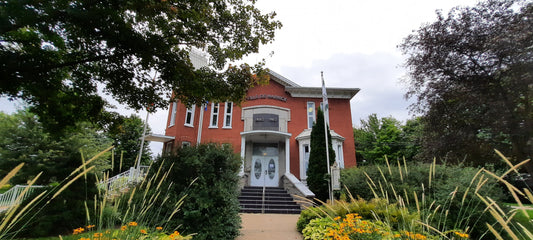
{"x": 266, "y": 96}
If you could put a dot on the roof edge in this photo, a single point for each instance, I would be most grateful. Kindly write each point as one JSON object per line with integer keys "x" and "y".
{"x": 316, "y": 92}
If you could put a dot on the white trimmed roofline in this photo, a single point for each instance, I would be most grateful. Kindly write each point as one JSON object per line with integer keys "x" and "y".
{"x": 298, "y": 91}
{"x": 316, "y": 92}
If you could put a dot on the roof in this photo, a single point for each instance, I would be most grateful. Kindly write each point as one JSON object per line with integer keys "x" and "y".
{"x": 298, "y": 91}
{"x": 282, "y": 80}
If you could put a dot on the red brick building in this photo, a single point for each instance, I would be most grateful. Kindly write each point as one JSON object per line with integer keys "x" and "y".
{"x": 271, "y": 129}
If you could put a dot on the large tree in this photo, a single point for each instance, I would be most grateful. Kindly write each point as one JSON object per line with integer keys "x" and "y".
{"x": 126, "y": 133}
{"x": 23, "y": 139}
{"x": 54, "y": 54}
{"x": 317, "y": 172}
{"x": 471, "y": 72}
{"x": 380, "y": 137}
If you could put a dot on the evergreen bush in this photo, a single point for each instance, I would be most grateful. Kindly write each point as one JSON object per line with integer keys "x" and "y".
{"x": 317, "y": 172}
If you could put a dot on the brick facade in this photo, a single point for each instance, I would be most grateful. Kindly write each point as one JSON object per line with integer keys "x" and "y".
{"x": 273, "y": 99}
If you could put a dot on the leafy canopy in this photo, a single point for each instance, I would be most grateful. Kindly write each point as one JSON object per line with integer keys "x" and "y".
{"x": 471, "y": 72}
{"x": 54, "y": 54}
{"x": 380, "y": 137}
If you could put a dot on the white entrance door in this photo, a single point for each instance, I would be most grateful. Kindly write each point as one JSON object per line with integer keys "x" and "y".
{"x": 265, "y": 170}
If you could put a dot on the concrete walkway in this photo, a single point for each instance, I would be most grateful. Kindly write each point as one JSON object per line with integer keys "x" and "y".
{"x": 269, "y": 226}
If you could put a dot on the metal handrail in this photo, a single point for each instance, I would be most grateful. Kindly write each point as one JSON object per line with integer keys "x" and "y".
{"x": 12, "y": 196}
{"x": 264, "y": 187}
{"x": 122, "y": 180}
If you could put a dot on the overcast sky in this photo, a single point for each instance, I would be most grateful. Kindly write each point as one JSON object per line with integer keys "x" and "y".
{"x": 352, "y": 41}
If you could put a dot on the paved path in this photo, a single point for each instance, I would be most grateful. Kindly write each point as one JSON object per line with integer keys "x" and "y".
{"x": 269, "y": 226}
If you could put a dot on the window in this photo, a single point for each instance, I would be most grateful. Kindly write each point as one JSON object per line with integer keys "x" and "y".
{"x": 173, "y": 114}
{"x": 168, "y": 147}
{"x": 326, "y": 114}
{"x": 214, "y": 115}
{"x": 306, "y": 151}
{"x": 227, "y": 115}
{"x": 339, "y": 156}
{"x": 185, "y": 144}
{"x": 189, "y": 116}
{"x": 310, "y": 114}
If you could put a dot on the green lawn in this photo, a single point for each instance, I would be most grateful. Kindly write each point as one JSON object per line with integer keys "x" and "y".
{"x": 529, "y": 211}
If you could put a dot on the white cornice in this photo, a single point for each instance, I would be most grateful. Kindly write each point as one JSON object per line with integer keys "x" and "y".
{"x": 316, "y": 92}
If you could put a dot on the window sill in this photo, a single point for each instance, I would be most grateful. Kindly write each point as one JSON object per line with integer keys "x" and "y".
{"x": 188, "y": 125}
{"x": 226, "y": 127}
{"x": 169, "y": 126}
{"x": 213, "y": 127}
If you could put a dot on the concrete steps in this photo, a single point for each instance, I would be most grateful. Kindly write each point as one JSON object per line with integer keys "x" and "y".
{"x": 277, "y": 200}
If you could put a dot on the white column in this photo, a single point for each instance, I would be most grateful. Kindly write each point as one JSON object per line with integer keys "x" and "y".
{"x": 243, "y": 149}
{"x": 287, "y": 155}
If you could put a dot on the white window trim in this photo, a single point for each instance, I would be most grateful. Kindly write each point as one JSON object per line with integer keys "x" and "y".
{"x": 173, "y": 114}
{"x": 226, "y": 114}
{"x": 214, "y": 114}
{"x": 191, "y": 110}
{"x": 339, "y": 155}
{"x": 307, "y": 114}
{"x": 185, "y": 144}
{"x": 303, "y": 171}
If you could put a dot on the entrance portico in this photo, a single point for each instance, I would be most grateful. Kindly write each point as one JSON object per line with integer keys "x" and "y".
{"x": 266, "y": 156}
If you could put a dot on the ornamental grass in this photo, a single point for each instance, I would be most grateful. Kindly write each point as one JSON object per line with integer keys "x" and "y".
{"x": 394, "y": 213}
{"x": 135, "y": 214}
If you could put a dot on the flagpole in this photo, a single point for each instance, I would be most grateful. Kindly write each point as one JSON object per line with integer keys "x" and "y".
{"x": 325, "y": 105}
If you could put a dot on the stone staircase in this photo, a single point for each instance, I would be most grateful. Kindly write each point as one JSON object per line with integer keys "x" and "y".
{"x": 277, "y": 200}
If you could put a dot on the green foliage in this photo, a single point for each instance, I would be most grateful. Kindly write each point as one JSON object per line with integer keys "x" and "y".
{"x": 471, "y": 72}
{"x": 53, "y": 54}
{"x": 317, "y": 172}
{"x": 396, "y": 217}
{"x": 444, "y": 195}
{"x": 24, "y": 139}
{"x": 377, "y": 138}
{"x": 125, "y": 133}
{"x": 317, "y": 228}
{"x": 211, "y": 208}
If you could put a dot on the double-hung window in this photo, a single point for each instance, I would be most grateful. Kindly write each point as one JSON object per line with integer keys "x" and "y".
{"x": 189, "y": 116}
{"x": 213, "y": 123}
{"x": 310, "y": 114}
{"x": 227, "y": 115}
{"x": 173, "y": 114}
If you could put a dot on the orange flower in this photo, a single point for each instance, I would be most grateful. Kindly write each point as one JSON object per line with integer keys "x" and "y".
{"x": 143, "y": 231}
{"x": 159, "y": 228}
{"x": 123, "y": 228}
{"x": 78, "y": 230}
{"x": 132, "y": 224}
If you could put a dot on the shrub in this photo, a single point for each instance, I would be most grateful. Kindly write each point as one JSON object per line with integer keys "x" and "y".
{"x": 396, "y": 217}
{"x": 445, "y": 196}
{"x": 211, "y": 208}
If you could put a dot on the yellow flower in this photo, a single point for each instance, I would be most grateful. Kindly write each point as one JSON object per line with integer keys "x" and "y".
{"x": 90, "y": 226}
{"x": 132, "y": 224}
{"x": 143, "y": 231}
{"x": 123, "y": 228}
{"x": 98, "y": 235}
{"x": 159, "y": 228}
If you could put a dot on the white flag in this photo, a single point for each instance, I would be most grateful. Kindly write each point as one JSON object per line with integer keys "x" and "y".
{"x": 325, "y": 100}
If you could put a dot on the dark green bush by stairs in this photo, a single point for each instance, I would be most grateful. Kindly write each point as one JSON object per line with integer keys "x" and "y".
{"x": 211, "y": 208}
